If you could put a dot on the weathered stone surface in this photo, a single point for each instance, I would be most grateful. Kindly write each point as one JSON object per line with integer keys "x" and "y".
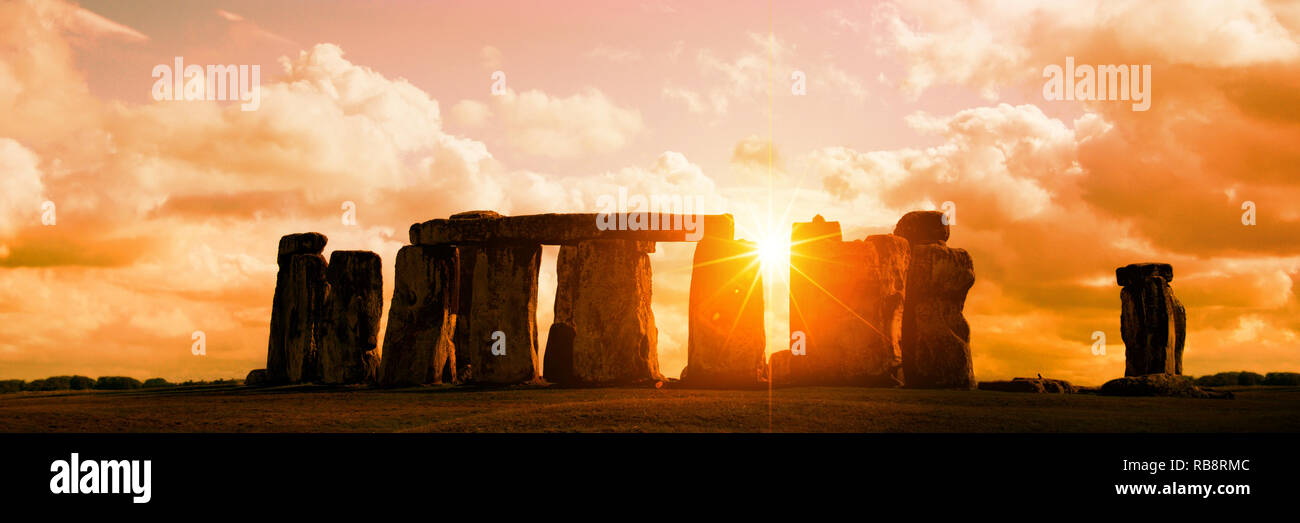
{"x": 1180, "y": 331}
{"x": 615, "y": 338}
{"x": 301, "y": 243}
{"x": 1159, "y": 385}
{"x": 257, "y": 378}
{"x": 418, "y": 346}
{"x": 468, "y": 258}
{"x": 504, "y": 314}
{"x": 1138, "y": 273}
{"x": 726, "y": 344}
{"x": 1152, "y": 320}
{"x": 923, "y": 227}
{"x": 559, "y": 229}
{"x": 847, "y": 303}
{"x": 304, "y": 312}
{"x": 475, "y": 215}
{"x": 277, "y": 362}
{"x": 936, "y": 338}
{"x": 1033, "y": 385}
{"x": 349, "y": 351}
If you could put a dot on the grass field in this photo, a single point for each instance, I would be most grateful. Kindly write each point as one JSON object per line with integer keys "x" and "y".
{"x": 539, "y": 409}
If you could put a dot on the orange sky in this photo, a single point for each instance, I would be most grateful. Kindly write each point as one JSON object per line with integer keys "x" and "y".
{"x": 168, "y": 213}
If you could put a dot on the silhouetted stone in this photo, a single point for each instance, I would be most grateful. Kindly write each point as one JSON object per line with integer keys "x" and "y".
{"x": 304, "y": 313}
{"x": 418, "y": 345}
{"x": 1180, "y": 331}
{"x": 349, "y": 351}
{"x": 847, "y": 301}
{"x": 1159, "y": 385}
{"x": 504, "y": 314}
{"x": 726, "y": 342}
{"x": 1152, "y": 321}
{"x": 301, "y": 243}
{"x": 468, "y": 257}
{"x": 936, "y": 338}
{"x": 257, "y": 378}
{"x": 288, "y": 289}
{"x": 1033, "y": 385}
{"x": 557, "y": 367}
{"x": 615, "y": 339}
{"x": 923, "y": 227}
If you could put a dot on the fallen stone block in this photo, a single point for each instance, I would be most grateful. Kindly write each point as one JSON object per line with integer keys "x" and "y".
{"x": 1160, "y": 385}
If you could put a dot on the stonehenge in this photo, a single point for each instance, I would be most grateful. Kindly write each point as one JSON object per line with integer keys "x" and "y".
{"x": 885, "y": 310}
{"x": 324, "y": 316}
{"x": 846, "y": 308}
{"x": 935, "y": 336}
{"x": 604, "y": 331}
{"x": 1153, "y": 322}
{"x": 882, "y": 311}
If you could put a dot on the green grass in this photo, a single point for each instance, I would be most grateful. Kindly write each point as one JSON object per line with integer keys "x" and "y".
{"x": 537, "y": 409}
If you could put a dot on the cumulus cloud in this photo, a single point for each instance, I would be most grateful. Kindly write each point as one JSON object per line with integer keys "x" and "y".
{"x": 988, "y": 46}
{"x": 747, "y": 76}
{"x": 21, "y": 190}
{"x": 584, "y": 123}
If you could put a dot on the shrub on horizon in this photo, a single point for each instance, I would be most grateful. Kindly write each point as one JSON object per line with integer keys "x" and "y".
{"x": 153, "y": 383}
{"x": 117, "y": 383}
{"x": 7, "y": 386}
{"x": 1282, "y": 379}
{"x": 1249, "y": 378}
{"x": 81, "y": 383}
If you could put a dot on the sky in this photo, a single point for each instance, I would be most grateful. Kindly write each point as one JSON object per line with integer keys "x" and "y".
{"x": 129, "y": 223}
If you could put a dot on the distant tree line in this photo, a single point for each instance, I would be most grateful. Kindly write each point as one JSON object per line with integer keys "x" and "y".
{"x": 1247, "y": 378}
{"x": 102, "y": 383}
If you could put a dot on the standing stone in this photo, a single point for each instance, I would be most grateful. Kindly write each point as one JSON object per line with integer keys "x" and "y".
{"x": 726, "y": 343}
{"x": 468, "y": 257}
{"x": 503, "y": 316}
{"x": 304, "y": 314}
{"x": 349, "y": 351}
{"x": 923, "y": 228}
{"x": 861, "y": 341}
{"x": 607, "y": 291}
{"x": 294, "y": 307}
{"x": 936, "y": 338}
{"x": 846, "y": 303}
{"x": 1152, "y": 321}
{"x": 418, "y": 345}
{"x": 557, "y": 366}
{"x": 814, "y": 246}
{"x": 1180, "y": 332}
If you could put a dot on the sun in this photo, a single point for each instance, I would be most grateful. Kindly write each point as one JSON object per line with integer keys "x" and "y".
{"x": 773, "y": 252}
